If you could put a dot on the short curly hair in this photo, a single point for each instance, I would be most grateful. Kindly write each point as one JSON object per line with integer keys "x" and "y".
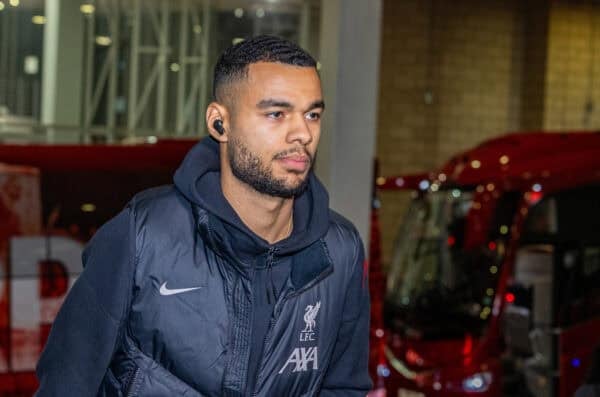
{"x": 233, "y": 63}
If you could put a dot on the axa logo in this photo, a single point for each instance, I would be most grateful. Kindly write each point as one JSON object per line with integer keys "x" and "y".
{"x": 301, "y": 358}
{"x": 310, "y": 315}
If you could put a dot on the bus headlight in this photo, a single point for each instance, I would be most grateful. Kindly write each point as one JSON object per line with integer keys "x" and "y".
{"x": 478, "y": 382}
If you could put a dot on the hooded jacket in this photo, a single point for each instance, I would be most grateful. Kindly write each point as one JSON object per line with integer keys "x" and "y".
{"x": 179, "y": 298}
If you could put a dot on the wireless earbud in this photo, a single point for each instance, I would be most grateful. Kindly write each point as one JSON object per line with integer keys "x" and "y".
{"x": 218, "y": 126}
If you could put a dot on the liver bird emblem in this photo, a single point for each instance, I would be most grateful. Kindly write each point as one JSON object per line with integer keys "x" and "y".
{"x": 310, "y": 315}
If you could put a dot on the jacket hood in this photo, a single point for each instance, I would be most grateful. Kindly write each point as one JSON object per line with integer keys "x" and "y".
{"x": 198, "y": 179}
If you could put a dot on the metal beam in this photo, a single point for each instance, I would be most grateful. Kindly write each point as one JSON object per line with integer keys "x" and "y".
{"x": 114, "y": 72}
{"x": 181, "y": 77}
{"x": 164, "y": 50}
{"x": 191, "y": 96}
{"x": 133, "y": 68}
{"x": 204, "y": 72}
{"x": 88, "y": 86}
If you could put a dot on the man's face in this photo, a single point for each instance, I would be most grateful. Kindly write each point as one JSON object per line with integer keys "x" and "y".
{"x": 275, "y": 125}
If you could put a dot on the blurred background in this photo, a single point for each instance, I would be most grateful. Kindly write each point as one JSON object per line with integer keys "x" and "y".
{"x": 456, "y": 73}
{"x": 449, "y": 75}
{"x": 118, "y": 69}
{"x": 461, "y": 138}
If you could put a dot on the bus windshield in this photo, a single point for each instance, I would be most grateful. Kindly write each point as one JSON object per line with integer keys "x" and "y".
{"x": 436, "y": 287}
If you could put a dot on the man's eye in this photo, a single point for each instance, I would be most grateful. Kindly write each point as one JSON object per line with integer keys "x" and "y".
{"x": 313, "y": 116}
{"x": 275, "y": 115}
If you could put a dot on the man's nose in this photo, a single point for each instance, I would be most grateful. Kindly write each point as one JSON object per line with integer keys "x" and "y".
{"x": 300, "y": 131}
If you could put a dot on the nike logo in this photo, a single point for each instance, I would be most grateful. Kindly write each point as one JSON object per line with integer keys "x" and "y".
{"x": 166, "y": 291}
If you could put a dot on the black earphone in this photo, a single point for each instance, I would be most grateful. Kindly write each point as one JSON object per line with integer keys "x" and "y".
{"x": 218, "y": 126}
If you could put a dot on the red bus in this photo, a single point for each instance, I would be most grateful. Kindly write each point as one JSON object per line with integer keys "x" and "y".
{"x": 494, "y": 285}
{"x": 52, "y": 200}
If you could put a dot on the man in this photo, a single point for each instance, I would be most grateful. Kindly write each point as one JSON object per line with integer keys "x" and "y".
{"x": 236, "y": 281}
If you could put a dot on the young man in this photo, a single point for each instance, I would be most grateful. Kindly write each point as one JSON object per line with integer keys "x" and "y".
{"x": 236, "y": 281}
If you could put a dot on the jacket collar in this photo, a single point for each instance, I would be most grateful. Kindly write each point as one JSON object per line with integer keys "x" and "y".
{"x": 308, "y": 264}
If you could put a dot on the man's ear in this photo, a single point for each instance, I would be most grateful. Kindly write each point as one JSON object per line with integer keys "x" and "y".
{"x": 217, "y": 121}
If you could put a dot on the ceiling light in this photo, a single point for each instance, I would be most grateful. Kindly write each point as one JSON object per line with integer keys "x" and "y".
{"x": 87, "y": 9}
{"x": 38, "y": 19}
{"x": 103, "y": 40}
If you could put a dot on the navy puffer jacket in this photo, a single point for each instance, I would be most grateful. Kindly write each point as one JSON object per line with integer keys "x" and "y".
{"x": 164, "y": 306}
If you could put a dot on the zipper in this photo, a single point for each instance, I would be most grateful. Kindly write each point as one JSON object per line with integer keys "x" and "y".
{"x": 131, "y": 386}
{"x": 270, "y": 256}
{"x": 277, "y": 312}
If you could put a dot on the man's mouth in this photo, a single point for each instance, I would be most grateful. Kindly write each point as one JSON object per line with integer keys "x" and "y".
{"x": 297, "y": 161}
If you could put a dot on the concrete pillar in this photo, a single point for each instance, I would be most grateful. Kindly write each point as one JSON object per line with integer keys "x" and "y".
{"x": 62, "y": 77}
{"x": 536, "y": 20}
{"x": 350, "y": 44}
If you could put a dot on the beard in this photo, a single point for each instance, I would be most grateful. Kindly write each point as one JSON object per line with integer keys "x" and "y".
{"x": 250, "y": 169}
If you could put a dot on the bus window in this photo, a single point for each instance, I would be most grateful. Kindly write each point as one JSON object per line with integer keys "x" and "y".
{"x": 578, "y": 293}
{"x": 569, "y": 221}
{"x": 77, "y": 203}
{"x": 567, "y": 216}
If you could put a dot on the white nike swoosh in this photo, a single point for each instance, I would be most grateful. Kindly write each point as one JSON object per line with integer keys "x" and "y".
{"x": 166, "y": 291}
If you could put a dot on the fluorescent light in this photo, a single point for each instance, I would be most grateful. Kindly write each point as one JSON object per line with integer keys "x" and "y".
{"x": 38, "y": 19}
{"x": 87, "y": 9}
{"x": 103, "y": 40}
{"x": 14, "y": 3}
{"x": 31, "y": 64}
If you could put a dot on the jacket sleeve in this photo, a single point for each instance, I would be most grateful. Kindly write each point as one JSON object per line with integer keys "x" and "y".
{"x": 348, "y": 373}
{"x": 85, "y": 332}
